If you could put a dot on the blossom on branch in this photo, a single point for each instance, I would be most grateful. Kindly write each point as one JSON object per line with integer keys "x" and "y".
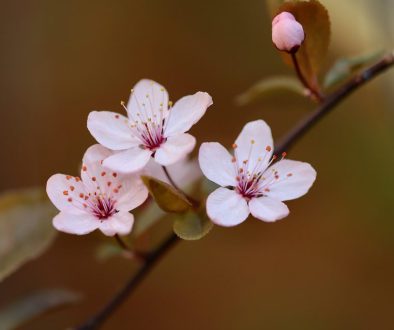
{"x": 252, "y": 180}
{"x": 153, "y": 128}
{"x": 287, "y": 33}
{"x": 100, "y": 199}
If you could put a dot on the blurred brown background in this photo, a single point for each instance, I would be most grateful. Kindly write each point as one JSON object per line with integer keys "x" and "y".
{"x": 329, "y": 265}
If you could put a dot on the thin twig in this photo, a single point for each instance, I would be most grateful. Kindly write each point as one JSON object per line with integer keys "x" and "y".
{"x": 312, "y": 90}
{"x": 328, "y": 104}
{"x": 97, "y": 320}
{"x": 194, "y": 202}
{"x": 122, "y": 243}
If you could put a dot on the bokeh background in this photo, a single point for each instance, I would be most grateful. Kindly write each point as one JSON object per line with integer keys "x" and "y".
{"x": 329, "y": 265}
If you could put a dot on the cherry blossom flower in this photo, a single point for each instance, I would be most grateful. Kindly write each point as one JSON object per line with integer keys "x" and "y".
{"x": 154, "y": 128}
{"x": 252, "y": 180}
{"x": 287, "y": 33}
{"x": 100, "y": 199}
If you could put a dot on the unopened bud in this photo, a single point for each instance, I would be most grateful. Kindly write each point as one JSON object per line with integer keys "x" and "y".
{"x": 287, "y": 33}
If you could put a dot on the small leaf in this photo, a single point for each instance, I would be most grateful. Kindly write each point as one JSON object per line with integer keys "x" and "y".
{"x": 25, "y": 227}
{"x": 167, "y": 197}
{"x": 192, "y": 226}
{"x": 345, "y": 67}
{"x": 313, "y": 17}
{"x": 26, "y": 308}
{"x": 270, "y": 85}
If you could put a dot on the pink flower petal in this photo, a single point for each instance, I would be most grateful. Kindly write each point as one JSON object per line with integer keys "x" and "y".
{"x": 132, "y": 192}
{"x": 64, "y": 190}
{"x": 147, "y": 97}
{"x": 294, "y": 179}
{"x": 216, "y": 164}
{"x": 75, "y": 223}
{"x": 120, "y": 223}
{"x": 227, "y": 208}
{"x": 254, "y": 142}
{"x": 186, "y": 112}
{"x": 112, "y": 130}
{"x": 128, "y": 161}
{"x": 268, "y": 209}
{"x": 174, "y": 149}
{"x": 96, "y": 153}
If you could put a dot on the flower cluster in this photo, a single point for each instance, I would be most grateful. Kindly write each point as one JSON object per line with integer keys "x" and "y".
{"x": 154, "y": 136}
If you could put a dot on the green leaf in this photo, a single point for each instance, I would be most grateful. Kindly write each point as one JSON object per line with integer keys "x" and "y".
{"x": 167, "y": 197}
{"x": 314, "y": 18}
{"x": 26, "y": 308}
{"x": 270, "y": 85}
{"x": 345, "y": 67}
{"x": 25, "y": 227}
{"x": 192, "y": 226}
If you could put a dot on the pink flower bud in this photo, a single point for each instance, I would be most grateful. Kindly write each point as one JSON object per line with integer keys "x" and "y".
{"x": 287, "y": 33}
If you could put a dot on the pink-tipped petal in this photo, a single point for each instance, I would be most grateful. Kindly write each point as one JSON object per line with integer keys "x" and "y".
{"x": 227, "y": 208}
{"x": 128, "y": 161}
{"x": 186, "y": 112}
{"x": 120, "y": 223}
{"x": 268, "y": 209}
{"x": 112, "y": 130}
{"x": 216, "y": 164}
{"x": 175, "y": 148}
{"x": 294, "y": 179}
{"x": 75, "y": 223}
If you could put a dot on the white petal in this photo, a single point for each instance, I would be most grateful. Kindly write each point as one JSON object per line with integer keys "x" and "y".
{"x": 111, "y": 130}
{"x": 227, "y": 208}
{"x": 128, "y": 161}
{"x": 132, "y": 194}
{"x": 146, "y": 99}
{"x": 268, "y": 209}
{"x": 174, "y": 149}
{"x": 186, "y": 112}
{"x": 252, "y": 144}
{"x": 120, "y": 223}
{"x": 63, "y": 191}
{"x": 295, "y": 179}
{"x": 75, "y": 223}
{"x": 215, "y": 162}
{"x": 96, "y": 153}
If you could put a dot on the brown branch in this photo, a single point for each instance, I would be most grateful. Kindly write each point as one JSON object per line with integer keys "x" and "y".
{"x": 316, "y": 93}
